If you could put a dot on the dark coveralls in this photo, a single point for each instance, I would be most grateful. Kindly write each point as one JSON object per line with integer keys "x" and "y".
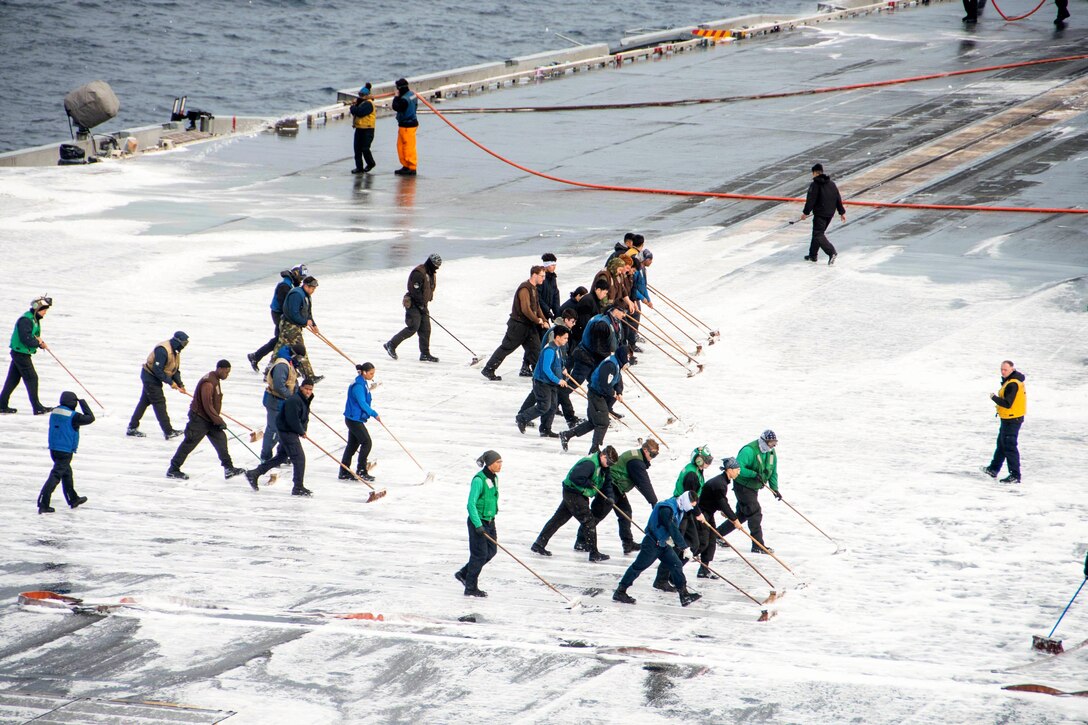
{"x": 604, "y": 385}
{"x": 822, "y": 201}
{"x": 64, "y": 425}
{"x": 291, "y": 423}
{"x": 417, "y": 318}
{"x": 714, "y": 499}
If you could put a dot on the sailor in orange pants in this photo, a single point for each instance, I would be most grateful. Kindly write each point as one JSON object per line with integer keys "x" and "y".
{"x": 405, "y": 105}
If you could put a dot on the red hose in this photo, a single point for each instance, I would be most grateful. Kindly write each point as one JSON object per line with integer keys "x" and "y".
{"x": 724, "y": 195}
{"x": 766, "y": 96}
{"x": 1018, "y": 17}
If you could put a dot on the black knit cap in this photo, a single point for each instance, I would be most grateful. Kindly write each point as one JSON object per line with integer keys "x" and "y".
{"x": 548, "y": 257}
{"x": 818, "y": 167}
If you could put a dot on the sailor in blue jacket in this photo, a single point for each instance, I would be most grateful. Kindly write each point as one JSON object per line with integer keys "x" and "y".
{"x": 605, "y": 388}
{"x": 548, "y": 379}
{"x": 289, "y": 279}
{"x": 640, "y": 295}
{"x": 64, "y": 425}
{"x": 357, "y": 411}
{"x": 664, "y": 524}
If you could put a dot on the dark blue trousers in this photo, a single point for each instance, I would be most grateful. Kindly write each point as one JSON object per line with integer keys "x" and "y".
{"x": 652, "y": 551}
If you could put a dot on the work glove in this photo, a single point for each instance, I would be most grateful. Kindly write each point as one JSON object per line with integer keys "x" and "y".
{"x": 776, "y": 494}
{"x": 480, "y": 530}
{"x": 759, "y": 478}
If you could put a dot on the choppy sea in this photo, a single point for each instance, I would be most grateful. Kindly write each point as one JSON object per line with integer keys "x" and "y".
{"x": 271, "y": 57}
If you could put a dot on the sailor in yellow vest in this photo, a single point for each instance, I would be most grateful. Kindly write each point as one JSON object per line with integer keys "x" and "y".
{"x": 363, "y": 115}
{"x": 1012, "y": 403}
{"x": 163, "y": 367}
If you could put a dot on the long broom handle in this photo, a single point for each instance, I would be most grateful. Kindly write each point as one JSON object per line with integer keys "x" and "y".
{"x": 810, "y": 522}
{"x": 235, "y": 436}
{"x": 329, "y": 342}
{"x": 1067, "y": 606}
{"x": 80, "y": 384}
{"x": 662, "y": 334}
{"x": 640, "y": 420}
{"x": 320, "y": 420}
{"x": 529, "y": 569}
{"x": 401, "y": 445}
{"x": 667, "y": 319}
{"x": 667, "y": 354}
{"x": 678, "y": 307}
{"x": 643, "y": 385}
{"x": 687, "y": 318}
{"x": 452, "y": 335}
{"x": 742, "y": 556}
{"x": 339, "y": 462}
{"x": 664, "y": 339}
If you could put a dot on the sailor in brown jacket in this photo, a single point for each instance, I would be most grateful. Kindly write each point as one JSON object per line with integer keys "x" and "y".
{"x": 525, "y": 327}
{"x": 205, "y": 419}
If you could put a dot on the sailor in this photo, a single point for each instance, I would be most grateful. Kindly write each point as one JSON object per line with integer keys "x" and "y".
{"x": 417, "y": 316}
{"x": 690, "y": 479}
{"x": 663, "y": 524}
{"x": 548, "y": 380}
{"x": 758, "y": 463}
{"x": 549, "y": 288}
{"x": 1012, "y": 403}
{"x": 280, "y": 381}
{"x": 714, "y": 499}
{"x": 604, "y": 388}
{"x": 483, "y": 506}
{"x": 294, "y": 417}
{"x": 357, "y": 411}
{"x": 631, "y": 471}
{"x": 588, "y": 477}
{"x": 206, "y": 421}
{"x": 64, "y": 425}
{"x": 26, "y": 338}
{"x": 521, "y": 328}
{"x": 298, "y": 314}
{"x": 405, "y": 105}
{"x": 363, "y": 115}
{"x": 162, "y": 367}
{"x": 289, "y": 279}
{"x": 822, "y": 201}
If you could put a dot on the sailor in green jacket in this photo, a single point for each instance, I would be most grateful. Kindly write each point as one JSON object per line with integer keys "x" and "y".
{"x": 483, "y": 505}
{"x": 26, "y": 338}
{"x": 589, "y": 477}
{"x": 758, "y": 467}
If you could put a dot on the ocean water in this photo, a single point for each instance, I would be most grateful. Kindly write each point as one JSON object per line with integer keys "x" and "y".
{"x": 271, "y": 57}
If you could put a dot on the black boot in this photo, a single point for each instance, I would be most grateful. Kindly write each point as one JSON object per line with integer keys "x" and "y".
{"x": 705, "y": 573}
{"x": 621, "y": 596}
{"x": 490, "y": 375}
{"x": 526, "y": 371}
{"x": 172, "y": 434}
{"x": 538, "y": 548}
{"x": 757, "y": 550}
{"x": 172, "y": 472}
{"x": 252, "y": 477}
{"x": 459, "y": 575}
{"x": 388, "y": 347}
{"x": 520, "y": 423}
{"x": 564, "y": 439}
{"x": 78, "y": 501}
{"x": 475, "y": 593}
{"x": 232, "y": 471}
{"x": 344, "y": 475}
{"x": 428, "y": 357}
{"x": 254, "y": 362}
{"x": 598, "y": 556}
{"x": 687, "y": 597}
{"x": 47, "y": 509}
{"x": 135, "y": 433}
{"x": 629, "y": 546}
{"x": 301, "y": 491}
{"x": 664, "y": 585}
{"x": 580, "y": 545}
